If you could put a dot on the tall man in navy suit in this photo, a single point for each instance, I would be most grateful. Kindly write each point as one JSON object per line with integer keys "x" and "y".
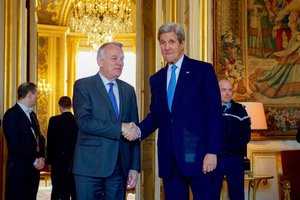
{"x": 185, "y": 106}
{"x": 26, "y": 146}
{"x": 61, "y": 138}
{"x": 105, "y": 163}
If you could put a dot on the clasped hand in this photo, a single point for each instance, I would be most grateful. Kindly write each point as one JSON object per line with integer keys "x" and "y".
{"x": 130, "y": 131}
{"x": 39, "y": 163}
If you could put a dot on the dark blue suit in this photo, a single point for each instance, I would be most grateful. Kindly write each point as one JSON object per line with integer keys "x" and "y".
{"x": 100, "y": 148}
{"x": 191, "y": 130}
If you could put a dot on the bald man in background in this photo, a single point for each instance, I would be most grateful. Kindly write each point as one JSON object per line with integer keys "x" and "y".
{"x": 236, "y": 132}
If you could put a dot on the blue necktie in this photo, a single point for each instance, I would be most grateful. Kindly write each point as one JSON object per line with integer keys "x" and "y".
{"x": 113, "y": 99}
{"x": 171, "y": 87}
{"x": 224, "y": 108}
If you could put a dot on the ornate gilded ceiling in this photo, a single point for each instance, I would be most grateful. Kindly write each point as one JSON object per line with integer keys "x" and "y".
{"x": 54, "y": 12}
{"x": 58, "y": 12}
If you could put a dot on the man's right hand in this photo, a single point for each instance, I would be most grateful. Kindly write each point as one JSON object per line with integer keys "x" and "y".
{"x": 130, "y": 131}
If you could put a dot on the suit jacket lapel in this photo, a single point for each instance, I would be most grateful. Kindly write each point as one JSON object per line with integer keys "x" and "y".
{"x": 103, "y": 92}
{"x": 100, "y": 86}
{"x": 182, "y": 81}
{"x": 122, "y": 99}
{"x": 25, "y": 119}
{"x": 23, "y": 116}
{"x": 162, "y": 86}
{"x": 35, "y": 124}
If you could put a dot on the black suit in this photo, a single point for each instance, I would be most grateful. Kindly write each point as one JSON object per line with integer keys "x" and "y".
{"x": 22, "y": 178}
{"x": 61, "y": 139}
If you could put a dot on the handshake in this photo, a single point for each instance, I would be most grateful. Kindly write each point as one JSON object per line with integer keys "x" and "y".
{"x": 130, "y": 131}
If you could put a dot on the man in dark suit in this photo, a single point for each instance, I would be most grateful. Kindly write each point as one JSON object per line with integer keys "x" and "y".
{"x": 26, "y": 146}
{"x": 61, "y": 138}
{"x": 105, "y": 162}
{"x": 185, "y": 106}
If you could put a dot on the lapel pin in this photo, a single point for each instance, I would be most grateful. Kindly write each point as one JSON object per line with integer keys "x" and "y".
{"x": 187, "y": 72}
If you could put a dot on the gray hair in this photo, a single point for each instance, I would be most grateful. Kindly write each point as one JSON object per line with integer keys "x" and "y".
{"x": 172, "y": 27}
{"x": 101, "y": 52}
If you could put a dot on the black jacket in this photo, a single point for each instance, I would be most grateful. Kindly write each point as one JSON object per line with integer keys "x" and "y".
{"x": 61, "y": 138}
{"x": 298, "y": 135}
{"x": 236, "y": 129}
{"x": 22, "y": 179}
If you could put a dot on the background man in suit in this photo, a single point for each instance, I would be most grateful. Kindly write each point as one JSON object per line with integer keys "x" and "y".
{"x": 61, "y": 138}
{"x": 26, "y": 146}
{"x": 236, "y": 131}
{"x": 189, "y": 121}
{"x": 103, "y": 107}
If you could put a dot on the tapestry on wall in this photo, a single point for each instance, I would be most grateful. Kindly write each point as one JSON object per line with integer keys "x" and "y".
{"x": 257, "y": 45}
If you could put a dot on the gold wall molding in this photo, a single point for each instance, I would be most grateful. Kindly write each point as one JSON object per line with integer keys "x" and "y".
{"x": 15, "y": 69}
{"x": 51, "y": 64}
{"x": 49, "y": 11}
{"x": 2, "y": 140}
{"x": 72, "y": 52}
{"x": 13, "y": 63}
{"x": 196, "y": 17}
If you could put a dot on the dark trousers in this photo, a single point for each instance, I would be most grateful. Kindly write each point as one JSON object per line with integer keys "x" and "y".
{"x": 176, "y": 187}
{"x": 21, "y": 185}
{"x": 63, "y": 184}
{"x": 232, "y": 167}
{"x": 102, "y": 188}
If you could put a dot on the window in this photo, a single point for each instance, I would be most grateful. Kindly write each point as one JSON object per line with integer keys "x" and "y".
{"x": 87, "y": 66}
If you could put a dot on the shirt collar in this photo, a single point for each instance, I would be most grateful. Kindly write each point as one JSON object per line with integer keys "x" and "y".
{"x": 228, "y": 105}
{"x": 25, "y": 108}
{"x": 178, "y": 63}
{"x": 105, "y": 81}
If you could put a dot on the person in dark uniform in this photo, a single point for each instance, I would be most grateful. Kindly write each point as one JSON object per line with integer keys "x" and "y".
{"x": 25, "y": 145}
{"x": 236, "y": 130}
{"x": 61, "y": 139}
{"x": 298, "y": 135}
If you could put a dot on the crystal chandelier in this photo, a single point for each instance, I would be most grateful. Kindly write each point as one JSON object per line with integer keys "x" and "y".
{"x": 44, "y": 87}
{"x": 101, "y": 20}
